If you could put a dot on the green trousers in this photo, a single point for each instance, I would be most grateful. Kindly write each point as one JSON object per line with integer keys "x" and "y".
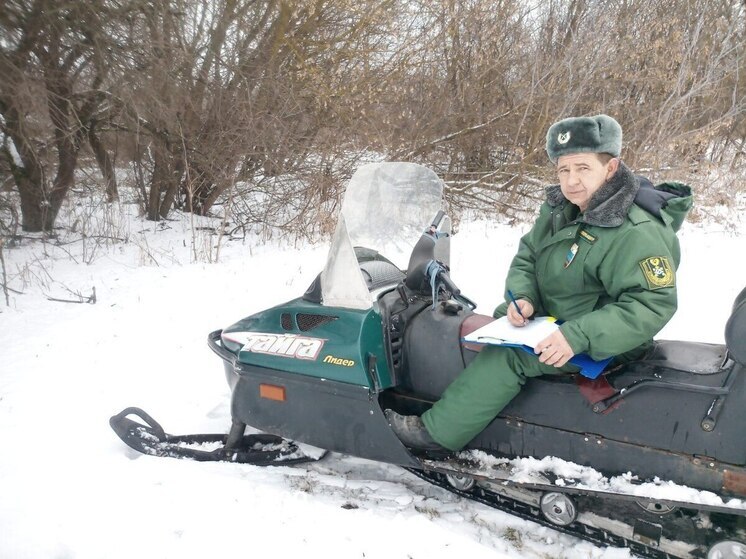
{"x": 481, "y": 391}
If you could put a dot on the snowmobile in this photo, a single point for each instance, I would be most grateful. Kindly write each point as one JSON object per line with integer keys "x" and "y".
{"x": 375, "y": 332}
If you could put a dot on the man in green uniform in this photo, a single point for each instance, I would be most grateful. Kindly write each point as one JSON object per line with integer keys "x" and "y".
{"x": 601, "y": 256}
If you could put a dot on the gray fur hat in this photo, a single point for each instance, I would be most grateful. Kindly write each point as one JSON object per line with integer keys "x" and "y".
{"x": 584, "y": 134}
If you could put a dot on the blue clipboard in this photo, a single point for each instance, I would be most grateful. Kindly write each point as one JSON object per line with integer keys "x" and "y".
{"x": 589, "y": 368}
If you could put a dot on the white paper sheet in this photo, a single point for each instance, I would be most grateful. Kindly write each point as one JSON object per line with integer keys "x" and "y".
{"x": 503, "y": 332}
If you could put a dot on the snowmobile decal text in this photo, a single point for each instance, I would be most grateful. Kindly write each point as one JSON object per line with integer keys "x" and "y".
{"x": 283, "y": 345}
{"x": 339, "y": 361}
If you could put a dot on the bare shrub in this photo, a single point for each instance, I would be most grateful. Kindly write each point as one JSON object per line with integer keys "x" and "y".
{"x": 260, "y": 109}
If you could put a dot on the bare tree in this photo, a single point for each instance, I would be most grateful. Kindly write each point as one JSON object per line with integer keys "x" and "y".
{"x": 55, "y": 55}
{"x": 225, "y": 91}
{"x": 266, "y": 105}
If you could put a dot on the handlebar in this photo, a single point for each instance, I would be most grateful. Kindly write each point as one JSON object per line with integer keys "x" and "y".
{"x": 445, "y": 278}
{"x": 448, "y": 282}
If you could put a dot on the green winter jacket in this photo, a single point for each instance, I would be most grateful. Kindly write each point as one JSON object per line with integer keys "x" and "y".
{"x": 608, "y": 273}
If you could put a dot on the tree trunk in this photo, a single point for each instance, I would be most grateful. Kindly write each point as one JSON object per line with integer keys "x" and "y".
{"x": 29, "y": 175}
{"x": 160, "y": 171}
{"x": 177, "y": 171}
{"x": 68, "y": 132}
{"x": 211, "y": 198}
{"x": 32, "y": 202}
{"x": 105, "y": 164}
{"x": 63, "y": 182}
{"x": 167, "y": 172}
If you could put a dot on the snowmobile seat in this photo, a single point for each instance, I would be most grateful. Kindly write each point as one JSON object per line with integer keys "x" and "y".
{"x": 688, "y": 357}
{"x": 431, "y": 366}
{"x": 700, "y": 358}
{"x": 380, "y": 273}
{"x": 668, "y": 364}
{"x": 735, "y": 329}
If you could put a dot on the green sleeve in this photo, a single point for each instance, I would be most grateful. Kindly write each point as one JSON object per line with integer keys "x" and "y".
{"x": 521, "y": 278}
{"x": 638, "y": 311}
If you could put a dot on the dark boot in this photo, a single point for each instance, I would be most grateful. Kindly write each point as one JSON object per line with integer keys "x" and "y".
{"x": 411, "y": 431}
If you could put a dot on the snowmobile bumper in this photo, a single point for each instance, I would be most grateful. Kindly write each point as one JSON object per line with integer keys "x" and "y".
{"x": 229, "y": 358}
{"x": 329, "y": 414}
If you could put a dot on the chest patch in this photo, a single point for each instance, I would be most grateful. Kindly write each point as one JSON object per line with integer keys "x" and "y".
{"x": 571, "y": 254}
{"x": 658, "y": 272}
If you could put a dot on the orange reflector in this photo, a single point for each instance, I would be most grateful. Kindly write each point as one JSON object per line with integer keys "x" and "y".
{"x": 734, "y": 482}
{"x": 272, "y": 392}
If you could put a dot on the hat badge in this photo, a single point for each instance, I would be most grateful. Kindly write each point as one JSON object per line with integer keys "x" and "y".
{"x": 563, "y": 137}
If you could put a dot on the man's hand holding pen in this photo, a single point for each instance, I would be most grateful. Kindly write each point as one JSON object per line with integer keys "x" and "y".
{"x": 519, "y": 311}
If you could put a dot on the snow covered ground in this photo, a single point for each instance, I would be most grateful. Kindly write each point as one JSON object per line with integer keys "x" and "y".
{"x": 70, "y": 489}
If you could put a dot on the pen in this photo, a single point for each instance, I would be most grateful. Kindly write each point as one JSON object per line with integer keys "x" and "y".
{"x": 512, "y": 298}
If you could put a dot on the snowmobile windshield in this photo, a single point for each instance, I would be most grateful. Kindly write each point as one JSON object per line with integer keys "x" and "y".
{"x": 386, "y": 208}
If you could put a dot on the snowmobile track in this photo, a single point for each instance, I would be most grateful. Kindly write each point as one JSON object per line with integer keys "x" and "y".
{"x": 548, "y": 481}
{"x": 597, "y": 536}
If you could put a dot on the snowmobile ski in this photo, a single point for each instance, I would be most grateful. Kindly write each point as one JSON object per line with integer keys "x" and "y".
{"x": 256, "y": 449}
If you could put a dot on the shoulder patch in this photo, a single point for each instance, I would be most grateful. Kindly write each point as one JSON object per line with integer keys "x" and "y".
{"x": 658, "y": 272}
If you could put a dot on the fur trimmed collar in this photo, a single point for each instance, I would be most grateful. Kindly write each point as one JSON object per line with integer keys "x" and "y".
{"x": 609, "y": 204}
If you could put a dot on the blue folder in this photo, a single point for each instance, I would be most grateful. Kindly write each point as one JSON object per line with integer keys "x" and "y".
{"x": 589, "y": 368}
